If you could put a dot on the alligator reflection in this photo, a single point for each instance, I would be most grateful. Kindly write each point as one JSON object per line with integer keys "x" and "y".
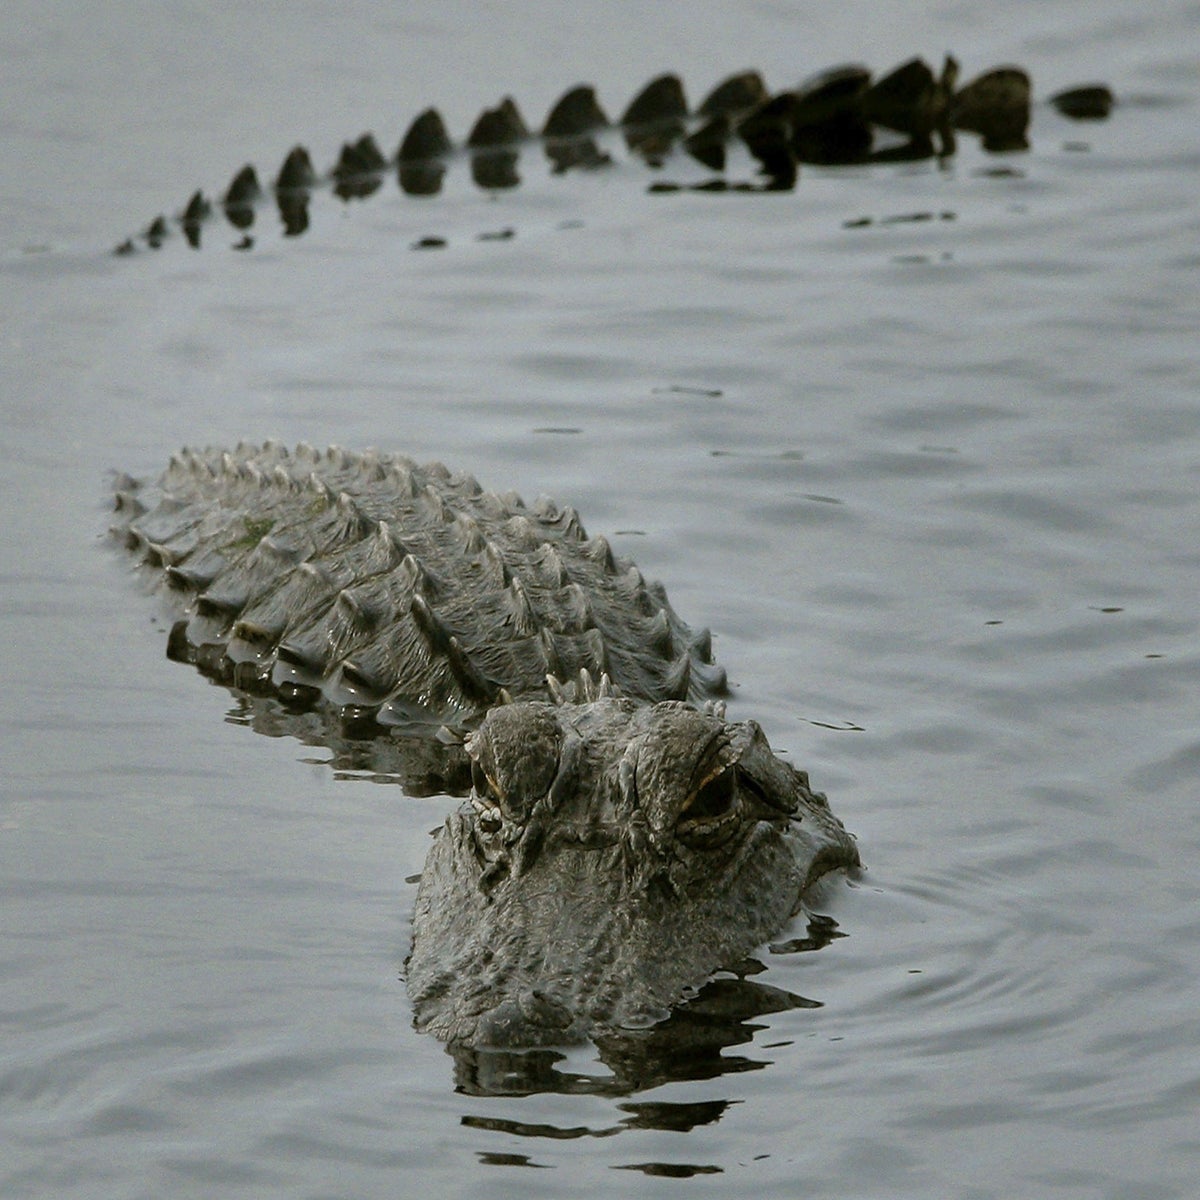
{"x": 688, "y": 1045}
{"x": 412, "y": 756}
{"x": 839, "y": 116}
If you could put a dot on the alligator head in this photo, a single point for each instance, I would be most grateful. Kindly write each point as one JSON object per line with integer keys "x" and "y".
{"x": 611, "y": 857}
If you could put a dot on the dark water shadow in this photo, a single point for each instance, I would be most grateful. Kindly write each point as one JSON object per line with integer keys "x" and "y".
{"x": 689, "y": 1045}
{"x": 412, "y": 756}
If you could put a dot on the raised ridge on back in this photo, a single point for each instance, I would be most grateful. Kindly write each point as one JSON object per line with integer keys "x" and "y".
{"x": 396, "y": 591}
{"x": 841, "y": 115}
{"x": 619, "y": 845}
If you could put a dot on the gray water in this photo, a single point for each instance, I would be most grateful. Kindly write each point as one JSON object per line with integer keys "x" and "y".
{"x": 935, "y": 485}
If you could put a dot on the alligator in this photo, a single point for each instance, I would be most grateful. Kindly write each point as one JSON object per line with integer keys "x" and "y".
{"x": 840, "y": 116}
{"x": 622, "y": 840}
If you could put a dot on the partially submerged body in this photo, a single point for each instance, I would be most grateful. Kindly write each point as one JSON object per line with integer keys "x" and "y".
{"x": 620, "y": 844}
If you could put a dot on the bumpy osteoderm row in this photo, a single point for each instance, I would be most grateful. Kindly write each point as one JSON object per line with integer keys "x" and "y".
{"x": 832, "y": 118}
{"x": 395, "y": 590}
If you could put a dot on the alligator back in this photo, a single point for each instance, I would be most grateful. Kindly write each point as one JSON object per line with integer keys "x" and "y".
{"x": 394, "y": 591}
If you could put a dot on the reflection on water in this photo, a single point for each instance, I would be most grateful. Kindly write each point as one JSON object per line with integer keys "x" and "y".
{"x": 932, "y": 481}
{"x": 689, "y": 1045}
{"x": 415, "y": 757}
{"x": 662, "y": 1116}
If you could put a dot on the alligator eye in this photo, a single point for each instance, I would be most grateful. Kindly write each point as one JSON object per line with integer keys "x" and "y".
{"x": 485, "y": 802}
{"x": 712, "y": 799}
{"x": 485, "y": 789}
{"x": 479, "y": 780}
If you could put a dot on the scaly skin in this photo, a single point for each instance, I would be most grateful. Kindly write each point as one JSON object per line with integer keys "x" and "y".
{"x": 396, "y": 592}
{"x": 619, "y": 845}
{"x": 612, "y": 856}
{"x": 617, "y": 848}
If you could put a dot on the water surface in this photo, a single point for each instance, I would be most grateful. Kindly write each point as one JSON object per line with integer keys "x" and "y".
{"x": 933, "y": 484}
